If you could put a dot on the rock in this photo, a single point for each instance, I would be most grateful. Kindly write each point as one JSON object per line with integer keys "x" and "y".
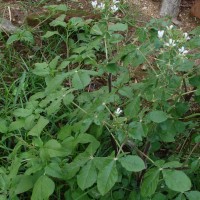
{"x": 195, "y": 10}
{"x": 7, "y": 26}
{"x": 170, "y": 8}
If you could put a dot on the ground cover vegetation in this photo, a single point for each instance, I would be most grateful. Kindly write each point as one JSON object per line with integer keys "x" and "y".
{"x": 76, "y": 122}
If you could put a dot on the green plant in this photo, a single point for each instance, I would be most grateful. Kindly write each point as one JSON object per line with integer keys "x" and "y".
{"x": 72, "y": 137}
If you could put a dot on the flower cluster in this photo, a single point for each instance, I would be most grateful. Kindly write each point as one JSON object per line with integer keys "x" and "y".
{"x": 173, "y": 43}
{"x": 182, "y": 50}
{"x": 118, "y": 111}
{"x": 96, "y": 5}
{"x": 115, "y": 8}
{"x": 101, "y": 6}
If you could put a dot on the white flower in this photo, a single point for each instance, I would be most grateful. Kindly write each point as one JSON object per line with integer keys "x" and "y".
{"x": 118, "y": 111}
{"x": 101, "y": 6}
{"x": 186, "y": 36}
{"x": 94, "y": 4}
{"x": 171, "y": 43}
{"x": 115, "y": 1}
{"x": 170, "y": 27}
{"x": 182, "y": 50}
{"x": 161, "y": 33}
{"x": 114, "y": 8}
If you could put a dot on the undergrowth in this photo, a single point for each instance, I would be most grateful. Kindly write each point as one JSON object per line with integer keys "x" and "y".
{"x": 77, "y": 123}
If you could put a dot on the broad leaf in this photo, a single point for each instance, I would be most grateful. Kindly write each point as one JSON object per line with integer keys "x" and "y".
{"x": 72, "y": 168}
{"x": 87, "y": 176}
{"x": 107, "y": 177}
{"x": 24, "y": 183}
{"x": 54, "y": 62}
{"x": 38, "y": 128}
{"x": 54, "y": 149}
{"x": 158, "y": 116}
{"x": 118, "y": 27}
{"x": 50, "y": 33}
{"x": 54, "y": 170}
{"x": 12, "y": 39}
{"x": 68, "y": 99}
{"x": 54, "y": 107}
{"x": 3, "y": 126}
{"x": 193, "y": 195}
{"x": 96, "y": 30}
{"x": 150, "y": 182}
{"x": 80, "y": 80}
{"x": 22, "y": 112}
{"x": 41, "y": 69}
{"x": 43, "y": 188}
{"x": 18, "y": 124}
{"x": 59, "y": 21}
{"x": 132, "y": 163}
{"x": 55, "y": 82}
{"x": 176, "y": 180}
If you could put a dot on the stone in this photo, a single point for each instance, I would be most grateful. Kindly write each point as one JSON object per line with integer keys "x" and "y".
{"x": 7, "y": 26}
{"x": 195, "y": 10}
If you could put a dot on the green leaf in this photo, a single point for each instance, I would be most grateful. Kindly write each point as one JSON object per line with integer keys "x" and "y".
{"x": 118, "y": 27}
{"x": 41, "y": 69}
{"x": 59, "y": 21}
{"x": 112, "y": 68}
{"x": 43, "y": 188}
{"x": 159, "y": 196}
{"x": 18, "y": 124}
{"x": 64, "y": 132}
{"x": 132, "y": 163}
{"x": 54, "y": 107}
{"x": 3, "y": 126}
{"x": 22, "y": 112}
{"x": 193, "y": 195}
{"x": 195, "y": 81}
{"x": 80, "y": 80}
{"x": 54, "y": 170}
{"x": 68, "y": 99}
{"x": 185, "y": 65}
{"x": 24, "y": 183}
{"x": 158, "y": 116}
{"x": 38, "y": 128}
{"x": 72, "y": 168}
{"x": 96, "y": 30}
{"x": 12, "y": 38}
{"x": 116, "y": 38}
{"x": 87, "y": 176}
{"x": 172, "y": 164}
{"x": 49, "y": 34}
{"x": 137, "y": 130}
{"x": 27, "y": 36}
{"x": 133, "y": 108}
{"x": 54, "y": 149}
{"x": 76, "y": 21}
{"x": 107, "y": 177}
{"x": 54, "y": 83}
{"x": 176, "y": 180}
{"x": 54, "y": 62}
{"x": 14, "y": 168}
{"x": 150, "y": 182}
{"x": 127, "y": 91}
{"x": 63, "y": 65}
{"x": 141, "y": 34}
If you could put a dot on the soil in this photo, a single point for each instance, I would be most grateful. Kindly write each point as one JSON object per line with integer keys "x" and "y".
{"x": 149, "y": 9}
{"x": 16, "y": 11}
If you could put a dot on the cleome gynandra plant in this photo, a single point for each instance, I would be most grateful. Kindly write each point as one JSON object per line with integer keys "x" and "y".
{"x": 108, "y": 116}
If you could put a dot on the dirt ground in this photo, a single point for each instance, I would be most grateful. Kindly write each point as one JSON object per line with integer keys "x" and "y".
{"x": 150, "y": 9}
{"x": 17, "y": 10}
